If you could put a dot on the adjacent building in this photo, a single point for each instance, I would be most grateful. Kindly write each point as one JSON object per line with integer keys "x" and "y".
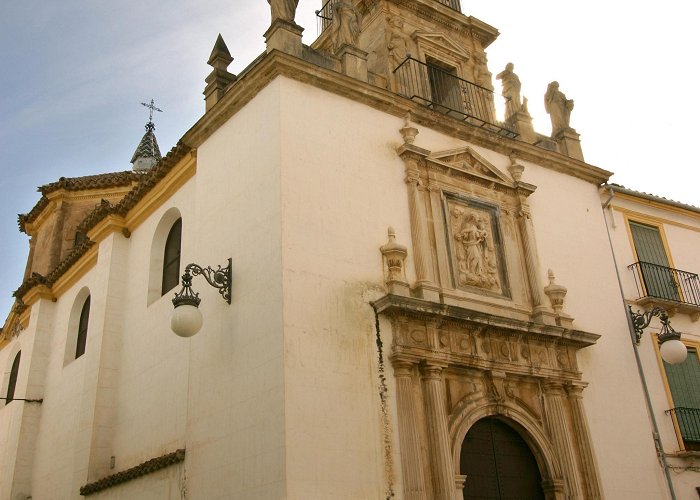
{"x": 422, "y": 300}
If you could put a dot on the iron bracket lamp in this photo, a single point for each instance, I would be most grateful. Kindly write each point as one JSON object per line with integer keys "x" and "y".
{"x": 187, "y": 319}
{"x": 673, "y": 351}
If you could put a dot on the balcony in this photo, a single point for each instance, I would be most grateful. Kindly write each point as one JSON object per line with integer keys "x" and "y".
{"x": 671, "y": 288}
{"x": 687, "y": 422}
{"x": 440, "y": 89}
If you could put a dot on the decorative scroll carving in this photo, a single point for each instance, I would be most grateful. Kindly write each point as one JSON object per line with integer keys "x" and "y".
{"x": 475, "y": 255}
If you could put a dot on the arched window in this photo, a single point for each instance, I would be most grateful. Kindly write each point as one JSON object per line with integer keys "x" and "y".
{"x": 13, "y": 379}
{"x": 82, "y": 329}
{"x": 171, "y": 258}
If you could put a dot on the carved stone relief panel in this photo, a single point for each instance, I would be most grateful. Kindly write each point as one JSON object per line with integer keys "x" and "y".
{"x": 475, "y": 243}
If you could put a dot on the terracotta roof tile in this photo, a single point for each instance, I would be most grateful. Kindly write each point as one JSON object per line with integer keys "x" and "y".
{"x": 99, "y": 181}
{"x": 148, "y": 467}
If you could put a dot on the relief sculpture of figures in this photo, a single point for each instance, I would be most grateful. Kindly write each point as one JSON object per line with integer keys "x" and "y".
{"x": 283, "y": 9}
{"x": 348, "y": 27}
{"x": 511, "y": 89}
{"x": 476, "y": 261}
{"x": 558, "y": 107}
{"x": 482, "y": 75}
{"x": 398, "y": 43}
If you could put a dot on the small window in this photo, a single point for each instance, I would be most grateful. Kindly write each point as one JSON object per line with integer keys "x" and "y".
{"x": 171, "y": 258}
{"x": 684, "y": 382}
{"x": 82, "y": 329}
{"x": 13, "y": 379}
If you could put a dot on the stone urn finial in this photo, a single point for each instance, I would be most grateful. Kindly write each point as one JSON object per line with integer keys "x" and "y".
{"x": 516, "y": 169}
{"x": 394, "y": 257}
{"x": 408, "y": 131}
{"x": 555, "y": 292}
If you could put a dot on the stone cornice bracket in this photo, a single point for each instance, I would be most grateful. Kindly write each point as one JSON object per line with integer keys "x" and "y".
{"x": 556, "y": 294}
{"x": 394, "y": 259}
{"x": 408, "y": 131}
{"x": 284, "y": 36}
{"x": 219, "y": 79}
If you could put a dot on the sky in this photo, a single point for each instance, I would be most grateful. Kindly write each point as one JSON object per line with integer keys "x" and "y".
{"x": 74, "y": 74}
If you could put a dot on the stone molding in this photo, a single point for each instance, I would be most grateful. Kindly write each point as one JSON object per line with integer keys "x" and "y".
{"x": 454, "y": 366}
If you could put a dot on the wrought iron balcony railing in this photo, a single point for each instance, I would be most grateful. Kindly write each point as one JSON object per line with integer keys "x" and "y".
{"x": 666, "y": 283}
{"x": 324, "y": 17}
{"x": 687, "y": 421}
{"x": 452, "y": 4}
{"x": 444, "y": 91}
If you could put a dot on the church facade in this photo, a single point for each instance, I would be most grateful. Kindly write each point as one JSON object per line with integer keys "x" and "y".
{"x": 422, "y": 300}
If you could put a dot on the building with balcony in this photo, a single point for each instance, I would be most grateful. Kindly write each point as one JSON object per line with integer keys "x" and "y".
{"x": 423, "y": 300}
{"x": 655, "y": 241}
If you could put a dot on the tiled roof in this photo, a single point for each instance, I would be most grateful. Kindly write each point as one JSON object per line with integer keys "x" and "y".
{"x": 148, "y": 147}
{"x": 85, "y": 183}
{"x": 148, "y": 467}
{"x": 649, "y": 196}
{"x": 146, "y": 182}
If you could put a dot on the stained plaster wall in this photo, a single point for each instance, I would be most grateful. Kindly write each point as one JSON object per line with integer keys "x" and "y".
{"x": 342, "y": 185}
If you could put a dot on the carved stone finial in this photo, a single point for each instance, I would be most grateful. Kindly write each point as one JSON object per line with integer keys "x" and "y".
{"x": 394, "y": 257}
{"x": 219, "y": 79}
{"x": 516, "y": 169}
{"x": 555, "y": 292}
{"x": 408, "y": 132}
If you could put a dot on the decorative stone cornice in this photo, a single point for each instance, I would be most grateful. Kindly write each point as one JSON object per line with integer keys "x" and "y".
{"x": 274, "y": 64}
{"x": 428, "y": 310}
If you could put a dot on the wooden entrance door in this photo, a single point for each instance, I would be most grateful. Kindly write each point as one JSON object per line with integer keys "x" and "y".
{"x": 499, "y": 464}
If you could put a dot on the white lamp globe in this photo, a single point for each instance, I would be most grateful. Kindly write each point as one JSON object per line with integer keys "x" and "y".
{"x": 186, "y": 320}
{"x": 673, "y": 351}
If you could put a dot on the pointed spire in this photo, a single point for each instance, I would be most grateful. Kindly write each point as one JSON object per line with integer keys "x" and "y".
{"x": 219, "y": 79}
{"x": 147, "y": 153}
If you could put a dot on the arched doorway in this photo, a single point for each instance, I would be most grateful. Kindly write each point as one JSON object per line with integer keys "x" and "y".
{"x": 498, "y": 464}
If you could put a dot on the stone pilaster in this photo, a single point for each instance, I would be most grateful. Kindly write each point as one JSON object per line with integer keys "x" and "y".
{"x": 354, "y": 62}
{"x": 589, "y": 469}
{"x": 569, "y": 143}
{"x": 562, "y": 438}
{"x": 532, "y": 264}
{"x": 284, "y": 36}
{"x": 409, "y": 436}
{"x": 441, "y": 459}
{"x": 419, "y": 233}
{"x": 523, "y": 124}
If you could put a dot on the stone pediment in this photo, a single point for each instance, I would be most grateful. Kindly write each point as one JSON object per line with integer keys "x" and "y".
{"x": 440, "y": 41}
{"x": 471, "y": 162}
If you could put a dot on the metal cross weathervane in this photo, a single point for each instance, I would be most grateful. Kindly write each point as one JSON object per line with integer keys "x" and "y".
{"x": 152, "y": 108}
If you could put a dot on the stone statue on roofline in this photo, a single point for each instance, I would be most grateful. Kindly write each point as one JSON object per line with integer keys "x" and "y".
{"x": 511, "y": 89}
{"x": 283, "y": 9}
{"x": 348, "y": 27}
{"x": 558, "y": 107}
